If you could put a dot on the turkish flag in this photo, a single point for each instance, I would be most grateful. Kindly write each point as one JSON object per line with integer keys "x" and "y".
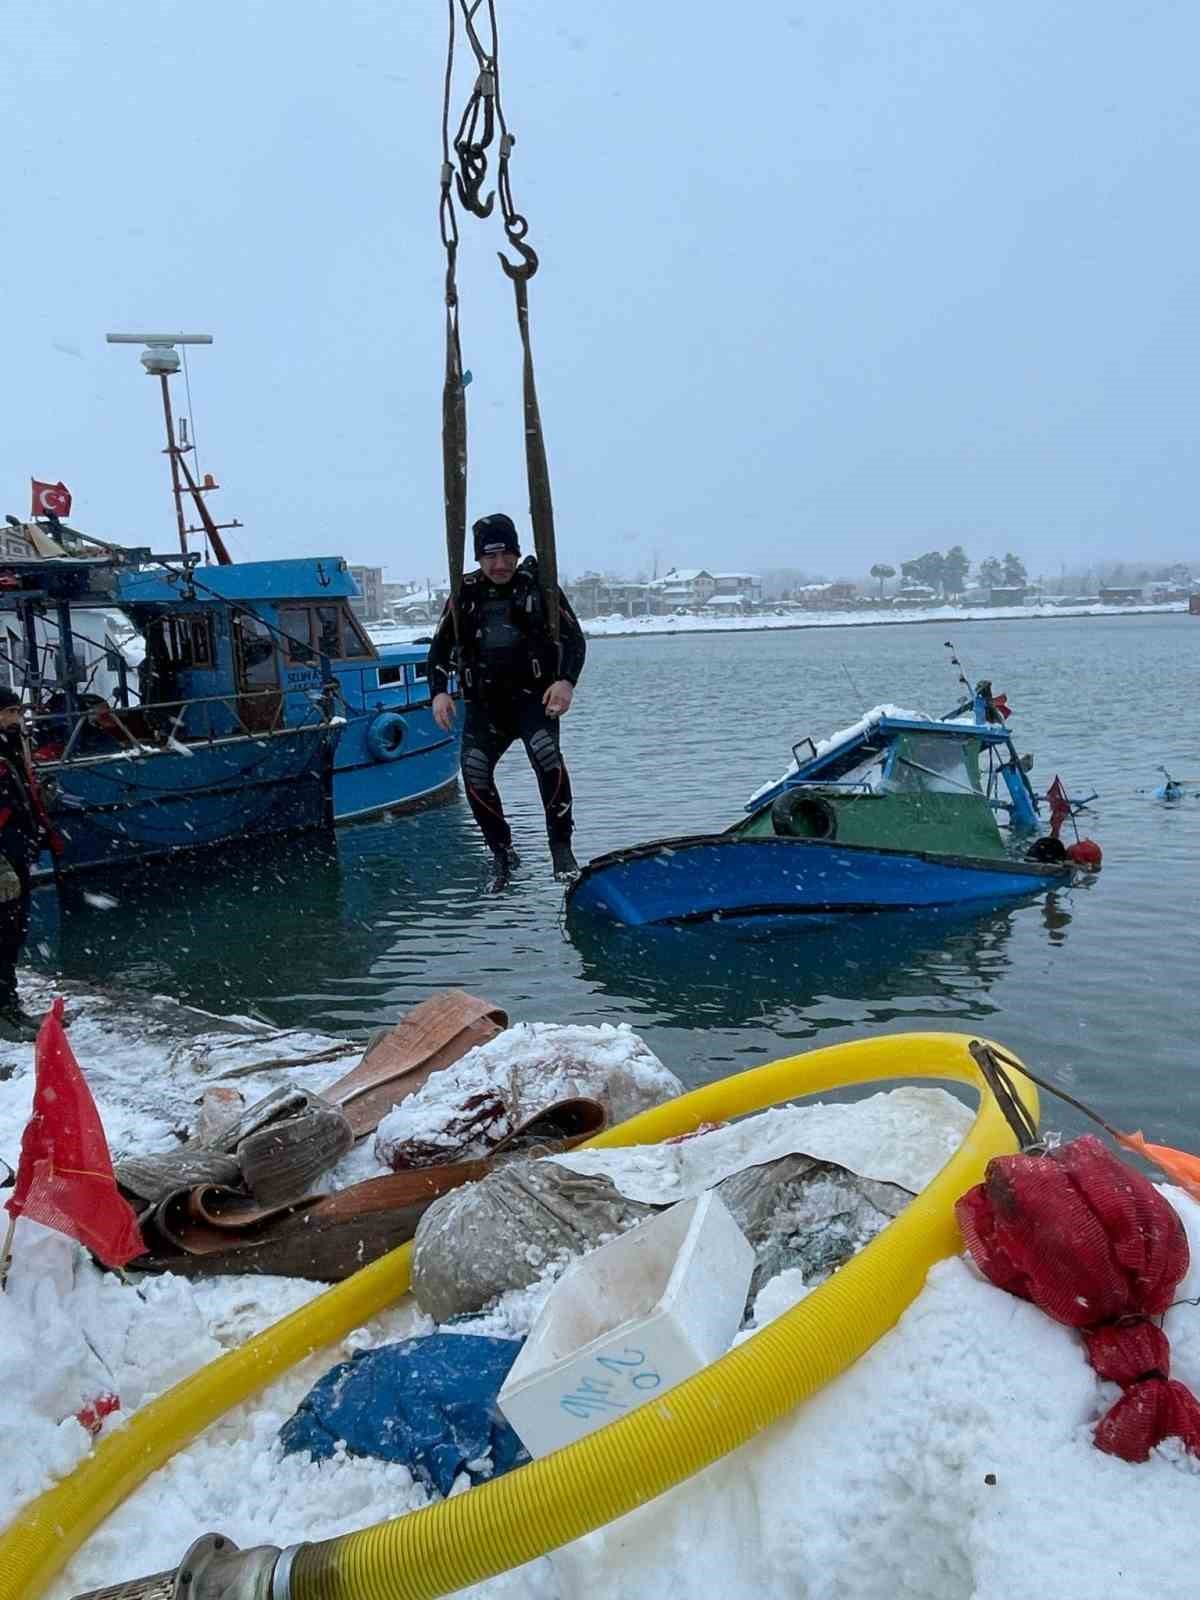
{"x": 65, "y": 1176}
{"x": 51, "y": 499}
{"x": 1060, "y": 805}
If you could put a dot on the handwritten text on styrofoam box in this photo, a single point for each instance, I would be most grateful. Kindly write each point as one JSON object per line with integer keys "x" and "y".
{"x": 618, "y": 1380}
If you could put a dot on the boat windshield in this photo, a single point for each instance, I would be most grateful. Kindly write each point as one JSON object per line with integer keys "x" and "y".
{"x": 933, "y": 764}
{"x": 865, "y": 774}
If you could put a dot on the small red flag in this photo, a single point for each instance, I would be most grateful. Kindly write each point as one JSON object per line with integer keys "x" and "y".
{"x": 1060, "y": 806}
{"x": 65, "y": 1176}
{"x": 51, "y": 499}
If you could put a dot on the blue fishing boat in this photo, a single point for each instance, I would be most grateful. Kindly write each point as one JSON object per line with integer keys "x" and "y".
{"x": 896, "y": 813}
{"x": 204, "y": 750}
{"x": 293, "y": 631}
{"x": 390, "y": 755}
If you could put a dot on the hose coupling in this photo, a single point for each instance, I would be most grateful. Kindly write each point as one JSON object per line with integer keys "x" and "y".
{"x": 213, "y": 1569}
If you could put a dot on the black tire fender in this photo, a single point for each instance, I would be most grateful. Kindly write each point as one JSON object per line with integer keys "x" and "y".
{"x": 797, "y": 815}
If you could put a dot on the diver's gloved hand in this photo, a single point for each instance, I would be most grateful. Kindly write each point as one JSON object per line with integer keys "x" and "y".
{"x": 10, "y": 884}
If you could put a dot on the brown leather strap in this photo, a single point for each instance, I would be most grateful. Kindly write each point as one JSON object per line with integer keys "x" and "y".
{"x": 434, "y": 1034}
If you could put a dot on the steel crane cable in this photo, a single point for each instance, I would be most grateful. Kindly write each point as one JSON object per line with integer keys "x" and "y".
{"x": 482, "y": 116}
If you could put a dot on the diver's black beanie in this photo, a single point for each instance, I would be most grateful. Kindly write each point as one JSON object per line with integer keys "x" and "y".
{"x": 497, "y": 532}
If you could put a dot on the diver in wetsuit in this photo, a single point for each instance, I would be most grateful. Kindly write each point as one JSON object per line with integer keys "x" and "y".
{"x": 516, "y": 681}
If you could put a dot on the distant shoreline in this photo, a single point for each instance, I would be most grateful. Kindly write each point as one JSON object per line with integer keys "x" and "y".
{"x": 657, "y": 626}
{"x": 660, "y": 626}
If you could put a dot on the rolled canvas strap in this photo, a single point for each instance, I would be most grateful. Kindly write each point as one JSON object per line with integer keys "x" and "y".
{"x": 327, "y": 1237}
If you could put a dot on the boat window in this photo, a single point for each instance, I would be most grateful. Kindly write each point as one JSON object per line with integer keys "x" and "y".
{"x": 295, "y": 624}
{"x": 866, "y": 772}
{"x": 196, "y": 642}
{"x": 390, "y": 675}
{"x": 329, "y": 631}
{"x": 257, "y": 650}
{"x": 182, "y": 641}
{"x": 929, "y": 764}
{"x": 420, "y": 671}
{"x": 357, "y": 643}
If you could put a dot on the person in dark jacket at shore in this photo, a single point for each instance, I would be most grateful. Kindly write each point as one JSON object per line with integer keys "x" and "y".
{"x": 517, "y": 683}
{"x": 20, "y": 837}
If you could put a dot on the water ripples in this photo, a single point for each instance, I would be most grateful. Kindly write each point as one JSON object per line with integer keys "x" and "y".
{"x": 669, "y": 736}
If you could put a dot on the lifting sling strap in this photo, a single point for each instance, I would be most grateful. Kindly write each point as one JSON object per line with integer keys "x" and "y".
{"x": 466, "y": 172}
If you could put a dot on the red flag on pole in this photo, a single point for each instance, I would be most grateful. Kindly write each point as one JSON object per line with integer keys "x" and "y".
{"x": 1060, "y": 806}
{"x": 65, "y": 1176}
{"x": 50, "y": 499}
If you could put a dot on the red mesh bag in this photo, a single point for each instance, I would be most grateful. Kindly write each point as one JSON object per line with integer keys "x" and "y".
{"x": 1127, "y": 1352}
{"x": 1094, "y": 1245}
{"x": 1145, "y": 1415}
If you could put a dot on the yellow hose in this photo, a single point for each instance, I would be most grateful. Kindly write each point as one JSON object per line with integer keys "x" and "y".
{"x": 561, "y": 1497}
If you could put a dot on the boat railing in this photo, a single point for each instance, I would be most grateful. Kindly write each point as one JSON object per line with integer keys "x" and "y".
{"x": 843, "y": 785}
{"x": 157, "y": 726}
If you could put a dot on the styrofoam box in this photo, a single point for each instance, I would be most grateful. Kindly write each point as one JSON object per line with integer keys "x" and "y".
{"x": 628, "y": 1322}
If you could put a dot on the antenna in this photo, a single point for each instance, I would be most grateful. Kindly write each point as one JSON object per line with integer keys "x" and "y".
{"x": 161, "y": 360}
{"x": 159, "y": 357}
{"x": 955, "y": 662}
{"x": 853, "y": 685}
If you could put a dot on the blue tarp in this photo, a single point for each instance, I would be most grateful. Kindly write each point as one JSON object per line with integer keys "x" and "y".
{"x": 427, "y": 1403}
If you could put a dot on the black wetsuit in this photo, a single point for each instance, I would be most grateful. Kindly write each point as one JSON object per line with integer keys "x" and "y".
{"x": 19, "y": 836}
{"x": 506, "y": 660}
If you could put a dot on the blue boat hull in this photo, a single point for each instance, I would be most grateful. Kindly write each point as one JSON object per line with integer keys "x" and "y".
{"x": 367, "y": 786}
{"x": 699, "y": 878}
{"x": 391, "y": 755}
{"x": 111, "y": 811}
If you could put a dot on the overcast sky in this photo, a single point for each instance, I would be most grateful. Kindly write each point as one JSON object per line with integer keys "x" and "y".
{"x": 822, "y": 283}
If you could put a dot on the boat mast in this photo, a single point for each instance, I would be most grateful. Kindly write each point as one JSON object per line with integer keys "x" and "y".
{"x": 161, "y": 361}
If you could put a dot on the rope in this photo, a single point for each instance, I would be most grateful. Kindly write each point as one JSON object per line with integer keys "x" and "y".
{"x": 187, "y": 386}
{"x": 1012, "y": 1064}
{"x": 482, "y": 116}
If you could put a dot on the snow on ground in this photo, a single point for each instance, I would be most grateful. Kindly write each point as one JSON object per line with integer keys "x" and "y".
{"x": 953, "y": 1462}
{"x": 901, "y": 1137}
{"x": 148, "y": 1058}
{"x": 614, "y": 626}
{"x": 532, "y": 1066}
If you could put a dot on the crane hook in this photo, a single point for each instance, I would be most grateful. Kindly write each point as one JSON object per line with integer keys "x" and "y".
{"x": 518, "y": 270}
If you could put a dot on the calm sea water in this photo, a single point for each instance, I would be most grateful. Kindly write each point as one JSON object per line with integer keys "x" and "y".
{"x": 1096, "y": 985}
